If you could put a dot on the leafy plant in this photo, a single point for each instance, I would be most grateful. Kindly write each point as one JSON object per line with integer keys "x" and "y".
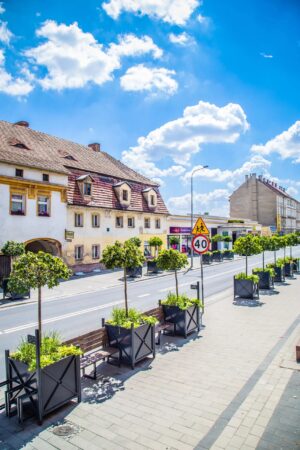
{"x": 52, "y": 350}
{"x": 227, "y": 239}
{"x": 155, "y": 242}
{"x": 265, "y": 270}
{"x": 235, "y": 221}
{"x": 136, "y": 241}
{"x": 217, "y": 252}
{"x": 172, "y": 260}
{"x": 124, "y": 256}
{"x": 174, "y": 240}
{"x": 13, "y": 248}
{"x": 122, "y": 319}
{"x": 244, "y": 276}
{"x": 274, "y": 245}
{"x": 181, "y": 301}
{"x": 247, "y": 246}
{"x": 292, "y": 240}
{"x": 217, "y": 238}
{"x": 36, "y": 270}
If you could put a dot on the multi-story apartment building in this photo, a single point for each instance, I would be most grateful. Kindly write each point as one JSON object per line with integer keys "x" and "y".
{"x": 72, "y": 200}
{"x": 264, "y": 201}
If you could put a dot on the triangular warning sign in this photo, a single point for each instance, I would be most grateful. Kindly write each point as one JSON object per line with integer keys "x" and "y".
{"x": 200, "y": 227}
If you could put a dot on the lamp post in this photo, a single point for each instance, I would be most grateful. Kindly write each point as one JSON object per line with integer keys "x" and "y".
{"x": 192, "y": 209}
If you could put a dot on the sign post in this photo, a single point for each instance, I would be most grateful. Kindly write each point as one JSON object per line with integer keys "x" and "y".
{"x": 200, "y": 244}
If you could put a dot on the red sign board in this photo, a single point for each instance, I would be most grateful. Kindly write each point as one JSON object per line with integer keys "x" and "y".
{"x": 200, "y": 244}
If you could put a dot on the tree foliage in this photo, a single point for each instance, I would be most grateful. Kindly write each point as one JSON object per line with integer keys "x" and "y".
{"x": 13, "y": 248}
{"x": 247, "y": 245}
{"x": 227, "y": 239}
{"x": 172, "y": 260}
{"x": 136, "y": 241}
{"x": 174, "y": 240}
{"x": 217, "y": 238}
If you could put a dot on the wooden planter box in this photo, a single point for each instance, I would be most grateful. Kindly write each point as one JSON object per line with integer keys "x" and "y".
{"x": 217, "y": 257}
{"x": 288, "y": 269}
{"x": 228, "y": 254}
{"x": 245, "y": 289}
{"x": 134, "y": 272}
{"x": 152, "y": 267}
{"x": 12, "y": 295}
{"x": 265, "y": 280}
{"x": 49, "y": 388}
{"x": 134, "y": 344}
{"x": 206, "y": 259}
{"x": 185, "y": 321}
{"x": 279, "y": 274}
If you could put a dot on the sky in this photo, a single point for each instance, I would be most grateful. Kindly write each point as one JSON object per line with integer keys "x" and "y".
{"x": 166, "y": 86}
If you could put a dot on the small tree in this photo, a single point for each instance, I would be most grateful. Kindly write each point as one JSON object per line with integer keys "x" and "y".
{"x": 174, "y": 240}
{"x": 217, "y": 238}
{"x": 155, "y": 242}
{"x": 265, "y": 245}
{"x": 292, "y": 239}
{"x": 227, "y": 239}
{"x": 136, "y": 241}
{"x": 283, "y": 244}
{"x": 36, "y": 270}
{"x": 274, "y": 245}
{"x": 123, "y": 256}
{"x": 13, "y": 248}
{"x": 172, "y": 260}
{"x": 247, "y": 246}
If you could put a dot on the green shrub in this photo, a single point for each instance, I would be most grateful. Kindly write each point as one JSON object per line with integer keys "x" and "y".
{"x": 267, "y": 269}
{"x": 181, "y": 301}
{"x": 243, "y": 276}
{"x": 174, "y": 240}
{"x": 52, "y": 350}
{"x": 12, "y": 248}
{"x": 217, "y": 252}
{"x": 120, "y": 319}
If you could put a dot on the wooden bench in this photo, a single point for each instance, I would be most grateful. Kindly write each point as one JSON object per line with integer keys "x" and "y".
{"x": 95, "y": 349}
{"x": 162, "y": 325}
{"x": 298, "y": 352}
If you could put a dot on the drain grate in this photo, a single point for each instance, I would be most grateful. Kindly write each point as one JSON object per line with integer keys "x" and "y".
{"x": 66, "y": 429}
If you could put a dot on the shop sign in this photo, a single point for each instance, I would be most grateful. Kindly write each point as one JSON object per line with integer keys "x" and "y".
{"x": 69, "y": 235}
{"x": 180, "y": 230}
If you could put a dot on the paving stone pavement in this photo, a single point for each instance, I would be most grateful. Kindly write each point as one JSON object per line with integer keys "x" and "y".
{"x": 228, "y": 388}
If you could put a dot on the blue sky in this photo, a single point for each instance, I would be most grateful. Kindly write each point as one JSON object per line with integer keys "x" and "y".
{"x": 165, "y": 86}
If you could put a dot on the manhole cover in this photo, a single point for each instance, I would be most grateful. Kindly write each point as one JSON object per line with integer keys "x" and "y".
{"x": 64, "y": 430}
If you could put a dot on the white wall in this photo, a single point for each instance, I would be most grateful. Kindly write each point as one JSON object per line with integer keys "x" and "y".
{"x": 33, "y": 174}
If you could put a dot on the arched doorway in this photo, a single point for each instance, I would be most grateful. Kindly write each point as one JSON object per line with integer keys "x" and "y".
{"x": 45, "y": 245}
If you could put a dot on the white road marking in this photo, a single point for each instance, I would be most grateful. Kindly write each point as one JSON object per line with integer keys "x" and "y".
{"x": 143, "y": 295}
{"x": 166, "y": 289}
{"x": 64, "y": 316}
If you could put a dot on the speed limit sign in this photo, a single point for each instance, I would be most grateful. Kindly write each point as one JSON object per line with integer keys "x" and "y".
{"x": 200, "y": 243}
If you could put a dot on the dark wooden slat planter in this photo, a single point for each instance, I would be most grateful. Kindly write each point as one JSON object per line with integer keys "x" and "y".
{"x": 185, "y": 321}
{"x": 296, "y": 265}
{"x": 134, "y": 272}
{"x": 134, "y": 344}
{"x": 279, "y": 274}
{"x": 5, "y": 266}
{"x": 228, "y": 254}
{"x": 47, "y": 389}
{"x": 206, "y": 258}
{"x": 265, "y": 280}
{"x": 288, "y": 269}
{"x": 152, "y": 267}
{"x": 245, "y": 289}
{"x": 12, "y": 295}
{"x": 217, "y": 257}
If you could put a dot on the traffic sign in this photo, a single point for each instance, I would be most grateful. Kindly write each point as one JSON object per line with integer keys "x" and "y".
{"x": 200, "y": 227}
{"x": 200, "y": 244}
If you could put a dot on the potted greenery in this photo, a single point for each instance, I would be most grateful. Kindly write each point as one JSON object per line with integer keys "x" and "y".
{"x": 274, "y": 245}
{"x": 180, "y": 310}
{"x": 292, "y": 240}
{"x": 207, "y": 258}
{"x": 246, "y": 285}
{"x": 217, "y": 256}
{"x": 216, "y": 239}
{"x": 174, "y": 242}
{"x": 154, "y": 242}
{"x": 128, "y": 330}
{"x": 278, "y": 271}
{"x": 296, "y": 265}
{"x": 288, "y": 266}
{"x": 135, "y": 272}
{"x": 10, "y": 252}
{"x": 266, "y": 277}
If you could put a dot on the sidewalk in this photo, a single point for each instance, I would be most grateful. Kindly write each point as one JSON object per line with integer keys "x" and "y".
{"x": 235, "y": 386}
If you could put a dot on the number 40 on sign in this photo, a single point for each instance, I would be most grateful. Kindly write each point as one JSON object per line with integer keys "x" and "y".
{"x": 200, "y": 244}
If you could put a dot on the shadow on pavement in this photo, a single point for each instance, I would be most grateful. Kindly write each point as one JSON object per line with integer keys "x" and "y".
{"x": 247, "y": 302}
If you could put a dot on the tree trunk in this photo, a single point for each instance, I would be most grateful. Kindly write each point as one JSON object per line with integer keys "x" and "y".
{"x": 40, "y": 311}
{"x": 284, "y": 252}
{"x": 291, "y": 254}
{"x": 275, "y": 257}
{"x": 246, "y": 266}
{"x": 263, "y": 256}
{"x": 125, "y": 292}
{"x": 176, "y": 283}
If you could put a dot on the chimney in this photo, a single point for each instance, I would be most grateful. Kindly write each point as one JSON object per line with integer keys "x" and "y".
{"x": 246, "y": 177}
{"x": 22, "y": 123}
{"x": 96, "y": 147}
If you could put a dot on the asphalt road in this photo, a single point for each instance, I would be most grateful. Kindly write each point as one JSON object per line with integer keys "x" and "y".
{"x": 79, "y": 314}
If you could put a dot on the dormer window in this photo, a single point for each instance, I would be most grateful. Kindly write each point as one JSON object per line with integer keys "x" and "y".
{"x": 18, "y": 144}
{"x": 123, "y": 193}
{"x": 19, "y": 173}
{"x": 150, "y": 196}
{"x": 152, "y": 200}
{"x": 85, "y": 184}
{"x": 87, "y": 188}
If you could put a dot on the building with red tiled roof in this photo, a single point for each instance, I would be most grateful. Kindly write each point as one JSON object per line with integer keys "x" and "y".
{"x": 71, "y": 199}
{"x": 264, "y": 201}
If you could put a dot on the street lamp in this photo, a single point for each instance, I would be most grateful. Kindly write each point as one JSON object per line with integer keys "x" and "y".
{"x": 192, "y": 209}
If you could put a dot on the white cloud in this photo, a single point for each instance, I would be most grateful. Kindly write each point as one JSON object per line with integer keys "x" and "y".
{"x": 141, "y": 78}
{"x": 74, "y": 58}
{"x": 181, "y": 138}
{"x": 2, "y": 9}
{"x": 292, "y": 191}
{"x": 5, "y": 34}
{"x": 256, "y": 163}
{"x": 175, "y": 12}
{"x": 204, "y": 21}
{"x": 266, "y": 55}
{"x": 215, "y": 202}
{"x": 286, "y": 144}
{"x": 182, "y": 39}
{"x": 12, "y": 86}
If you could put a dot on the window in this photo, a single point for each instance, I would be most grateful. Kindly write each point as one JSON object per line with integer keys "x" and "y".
{"x": 45, "y": 177}
{"x": 17, "y": 204}
{"x": 119, "y": 222}
{"x": 87, "y": 188}
{"x": 78, "y": 220}
{"x": 125, "y": 195}
{"x": 95, "y": 220}
{"x": 130, "y": 222}
{"x": 147, "y": 222}
{"x": 19, "y": 173}
{"x": 43, "y": 205}
{"x": 95, "y": 251}
{"x": 157, "y": 223}
{"x": 152, "y": 200}
{"x": 79, "y": 252}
